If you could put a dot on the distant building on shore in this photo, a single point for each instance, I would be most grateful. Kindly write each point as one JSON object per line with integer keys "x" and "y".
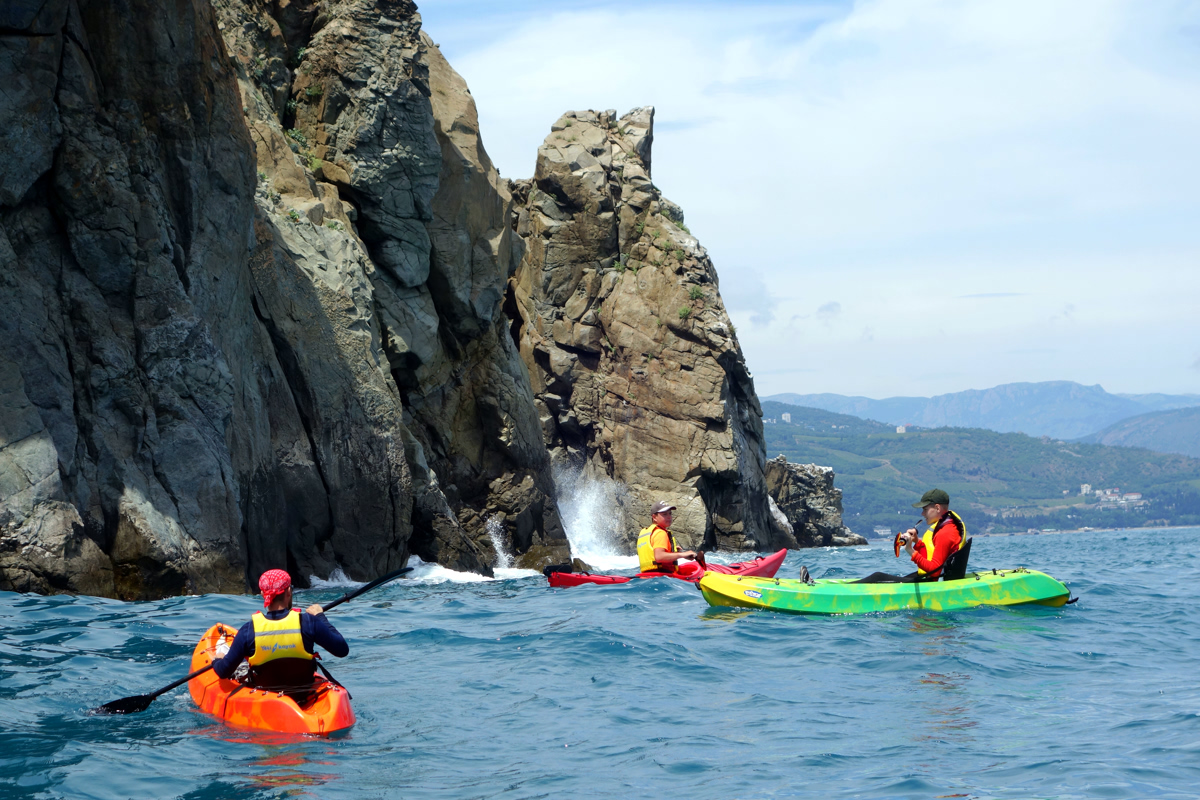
{"x": 1085, "y": 488}
{"x": 786, "y": 417}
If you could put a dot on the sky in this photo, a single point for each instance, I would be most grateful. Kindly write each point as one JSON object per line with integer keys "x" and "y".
{"x": 901, "y": 197}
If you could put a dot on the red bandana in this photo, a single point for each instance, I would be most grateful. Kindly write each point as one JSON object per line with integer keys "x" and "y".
{"x": 273, "y": 583}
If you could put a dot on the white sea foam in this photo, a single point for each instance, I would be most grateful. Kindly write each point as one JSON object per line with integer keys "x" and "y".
{"x": 495, "y": 532}
{"x": 435, "y": 573}
{"x": 591, "y": 517}
{"x": 336, "y": 580}
{"x": 423, "y": 573}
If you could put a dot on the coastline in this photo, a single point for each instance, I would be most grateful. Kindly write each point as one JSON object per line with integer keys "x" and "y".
{"x": 874, "y": 539}
{"x": 1091, "y": 530}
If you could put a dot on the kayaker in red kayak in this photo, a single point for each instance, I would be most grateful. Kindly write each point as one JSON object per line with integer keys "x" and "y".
{"x": 279, "y": 642}
{"x": 945, "y": 535}
{"x": 656, "y": 548}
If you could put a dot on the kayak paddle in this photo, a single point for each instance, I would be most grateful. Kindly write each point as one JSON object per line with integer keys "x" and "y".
{"x": 140, "y": 702}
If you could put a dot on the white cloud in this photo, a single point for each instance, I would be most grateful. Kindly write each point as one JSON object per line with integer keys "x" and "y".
{"x": 829, "y": 312}
{"x": 969, "y": 166}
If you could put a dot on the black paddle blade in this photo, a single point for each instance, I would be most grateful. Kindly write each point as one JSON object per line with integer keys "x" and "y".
{"x": 140, "y": 702}
{"x": 126, "y": 705}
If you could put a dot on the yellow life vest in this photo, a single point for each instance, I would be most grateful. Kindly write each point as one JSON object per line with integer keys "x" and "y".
{"x": 277, "y": 638}
{"x": 927, "y": 538}
{"x": 645, "y": 551}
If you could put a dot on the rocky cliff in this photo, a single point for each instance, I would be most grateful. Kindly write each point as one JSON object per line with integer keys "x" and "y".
{"x": 265, "y": 301}
{"x": 252, "y": 266}
{"x": 805, "y": 495}
{"x": 635, "y": 365}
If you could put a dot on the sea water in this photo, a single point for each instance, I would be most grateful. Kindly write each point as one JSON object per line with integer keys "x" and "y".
{"x": 473, "y": 688}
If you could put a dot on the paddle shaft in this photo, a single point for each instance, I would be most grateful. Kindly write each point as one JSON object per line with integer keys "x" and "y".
{"x": 334, "y": 604}
{"x": 368, "y": 587}
{"x": 141, "y": 702}
{"x": 181, "y": 681}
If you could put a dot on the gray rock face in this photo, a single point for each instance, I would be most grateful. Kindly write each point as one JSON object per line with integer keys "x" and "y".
{"x": 128, "y": 485}
{"x": 805, "y": 495}
{"x": 204, "y": 373}
{"x": 635, "y": 364}
{"x": 265, "y": 301}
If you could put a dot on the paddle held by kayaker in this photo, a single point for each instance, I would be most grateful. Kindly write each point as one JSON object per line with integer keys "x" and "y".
{"x": 929, "y": 552}
{"x": 656, "y": 548}
{"x": 279, "y": 642}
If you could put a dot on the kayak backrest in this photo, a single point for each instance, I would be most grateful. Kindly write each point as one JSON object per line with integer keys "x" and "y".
{"x": 558, "y": 568}
{"x": 955, "y": 568}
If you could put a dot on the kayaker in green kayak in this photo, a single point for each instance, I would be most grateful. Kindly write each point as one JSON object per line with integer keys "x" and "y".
{"x": 945, "y": 536}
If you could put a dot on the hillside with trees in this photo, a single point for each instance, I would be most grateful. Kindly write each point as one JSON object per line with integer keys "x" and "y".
{"x": 998, "y": 481}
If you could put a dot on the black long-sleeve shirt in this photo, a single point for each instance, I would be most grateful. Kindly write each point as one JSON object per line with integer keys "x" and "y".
{"x": 313, "y": 630}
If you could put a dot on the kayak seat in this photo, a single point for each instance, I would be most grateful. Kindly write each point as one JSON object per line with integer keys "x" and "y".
{"x": 955, "y": 568}
{"x": 568, "y": 568}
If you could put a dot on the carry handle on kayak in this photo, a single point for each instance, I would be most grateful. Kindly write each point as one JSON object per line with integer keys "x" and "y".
{"x": 140, "y": 702}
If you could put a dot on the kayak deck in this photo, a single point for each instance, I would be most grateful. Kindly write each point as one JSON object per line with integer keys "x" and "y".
{"x": 989, "y": 588}
{"x": 764, "y": 566}
{"x": 327, "y": 711}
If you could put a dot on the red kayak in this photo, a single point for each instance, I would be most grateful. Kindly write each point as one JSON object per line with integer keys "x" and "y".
{"x": 761, "y": 567}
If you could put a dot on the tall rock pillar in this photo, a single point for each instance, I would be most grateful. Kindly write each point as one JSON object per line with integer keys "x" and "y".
{"x": 635, "y": 364}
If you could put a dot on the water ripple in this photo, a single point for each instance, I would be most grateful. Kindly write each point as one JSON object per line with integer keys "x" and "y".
{"x": 507, "y": 688}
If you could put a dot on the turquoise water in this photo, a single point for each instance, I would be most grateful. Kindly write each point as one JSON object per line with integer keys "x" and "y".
{"x": 510, "y": 689}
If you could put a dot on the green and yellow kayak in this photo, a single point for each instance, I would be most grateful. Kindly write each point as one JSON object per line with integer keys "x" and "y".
{"x": 1003, "y": 587}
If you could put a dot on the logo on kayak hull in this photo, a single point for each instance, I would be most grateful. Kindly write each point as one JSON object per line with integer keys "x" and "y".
{"x": 752, "y": 593}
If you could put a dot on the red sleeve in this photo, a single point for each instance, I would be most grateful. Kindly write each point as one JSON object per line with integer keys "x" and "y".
{"x": 945, "y": 540}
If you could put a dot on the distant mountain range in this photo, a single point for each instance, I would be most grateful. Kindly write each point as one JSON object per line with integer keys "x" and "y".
{"x": 1060, "y": 409}
{"x": 1176, "y": 431}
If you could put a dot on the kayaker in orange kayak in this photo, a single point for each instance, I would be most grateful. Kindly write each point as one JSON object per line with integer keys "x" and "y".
{"x": 279, "y": 642}
{"x": 656, "y": 548}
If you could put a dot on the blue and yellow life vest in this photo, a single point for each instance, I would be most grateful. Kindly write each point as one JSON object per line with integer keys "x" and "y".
{"x": 927, "y": 537}
{"x": 277, "y": 638}
{"x": 645, "y": 550}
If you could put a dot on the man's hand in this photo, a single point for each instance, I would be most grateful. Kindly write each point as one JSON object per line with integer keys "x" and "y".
{"x": 688, "y": 554}
{"x": 314, "y": 610}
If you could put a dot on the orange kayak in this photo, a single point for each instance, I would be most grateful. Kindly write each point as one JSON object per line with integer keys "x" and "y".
{"x": 243, "y": 707}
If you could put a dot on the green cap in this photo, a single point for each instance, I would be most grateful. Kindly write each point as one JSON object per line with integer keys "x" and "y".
{"x": 931, "y": 497}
